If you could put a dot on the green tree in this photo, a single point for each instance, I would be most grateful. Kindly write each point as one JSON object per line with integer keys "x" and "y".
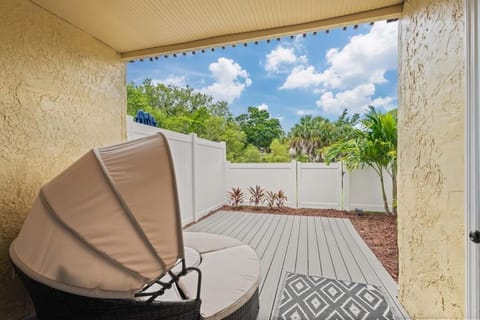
{"x": 259, "y": 127}
{"x": 251, "y": 154}
{"x": 172, "y": 100}
{"x": 278, "y": 152}
{"x": 344, "y": 127}
{"x": 187, "y": 111}
{"x": 311, "y": 134}
{"x": 375, "y": 146}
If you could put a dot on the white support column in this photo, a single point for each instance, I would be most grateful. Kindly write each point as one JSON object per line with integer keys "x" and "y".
{"x": 472, "y": 159}
{"x": 194, "y": 176}
{"x": 226, "y": 171}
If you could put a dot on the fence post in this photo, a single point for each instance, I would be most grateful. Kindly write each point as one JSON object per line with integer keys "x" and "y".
{"x": 345, "y": 188}
{"x": 226, "y": 169}
{"x": 194, "y": 176}
{"x": 296, "y": 183}
{"x": 227, "y": 176}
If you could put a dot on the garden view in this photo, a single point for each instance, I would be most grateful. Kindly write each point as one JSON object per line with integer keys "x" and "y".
{"x": 357, "y": 140}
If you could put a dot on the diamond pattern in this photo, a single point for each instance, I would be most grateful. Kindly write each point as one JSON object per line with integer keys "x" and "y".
{"x": 333, "y": 291}
{"x": 370, "y": 297}
{"x": 299, "y": 286}
{"x": 295, "y": 313}
{"x": 309, "y": 298}
{"x": 354, "y": 309}
{"x": 316, "y": 304}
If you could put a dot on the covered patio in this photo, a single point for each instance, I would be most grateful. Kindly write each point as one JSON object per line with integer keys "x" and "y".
{"x": 317, "y": 246}
{"x": 63, "y": 92}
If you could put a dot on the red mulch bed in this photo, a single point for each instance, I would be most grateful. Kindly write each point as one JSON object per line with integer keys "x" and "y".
{"x": 378, "y": 230}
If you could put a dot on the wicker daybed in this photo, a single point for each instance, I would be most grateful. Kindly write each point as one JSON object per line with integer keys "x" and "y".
{"x": 103, "y": 240}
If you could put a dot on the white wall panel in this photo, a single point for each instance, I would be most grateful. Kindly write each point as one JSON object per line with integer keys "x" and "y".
{"x": 270, "y": 176}
{"x": 363, "y": 190}
{"x": 320, "y": 186}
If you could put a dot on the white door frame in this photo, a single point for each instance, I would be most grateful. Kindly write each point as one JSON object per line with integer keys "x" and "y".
{"x": 472, "y": 158}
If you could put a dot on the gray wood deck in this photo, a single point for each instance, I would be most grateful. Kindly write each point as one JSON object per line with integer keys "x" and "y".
{"x": 328, "y": 247}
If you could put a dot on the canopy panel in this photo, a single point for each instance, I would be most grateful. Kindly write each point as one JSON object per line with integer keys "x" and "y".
{"x": 108, "y": 224}
{"x": 139, "y": 28}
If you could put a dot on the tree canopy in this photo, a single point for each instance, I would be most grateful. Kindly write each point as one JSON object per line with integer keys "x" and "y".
{"x": 187, "y": 111}
{"x": 259, "y": 127}
{"x": 311, "y": 134}
{"x": 255, "y": 136}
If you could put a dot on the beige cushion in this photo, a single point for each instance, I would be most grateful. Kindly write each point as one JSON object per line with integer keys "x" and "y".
{"x": 206, "y": 242}
{"x": 230, "y": 275}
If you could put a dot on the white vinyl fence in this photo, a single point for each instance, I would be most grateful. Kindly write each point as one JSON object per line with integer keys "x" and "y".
{"x": 319, "y": 185}
{"x": 313, "y": 185}
{"x": 199, "y": 168}
{"x": 269, "y": 176}
{"x": 362, "y": 189}
{"x": 204, "y": 177}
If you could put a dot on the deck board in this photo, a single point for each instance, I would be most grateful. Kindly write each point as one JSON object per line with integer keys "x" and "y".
{"x": 272, "y": 274}
{"x": 326, "y": 262}
{"x": 314, "y": 265}
{"x": 339, "y": 266}
{"x": 289, "y": 263}
{"x": 353, "y": 269}
{"x": 329, "y": 247}
{"x": 262, "y": 221}
{"x": 302, "y": 251}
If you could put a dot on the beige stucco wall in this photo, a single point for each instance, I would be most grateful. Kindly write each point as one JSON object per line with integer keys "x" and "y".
{"x": 62, "y": 92}
{"x": 431, "y": 158}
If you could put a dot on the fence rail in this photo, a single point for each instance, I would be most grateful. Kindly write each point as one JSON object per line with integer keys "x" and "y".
{"x": 204, "y": 176}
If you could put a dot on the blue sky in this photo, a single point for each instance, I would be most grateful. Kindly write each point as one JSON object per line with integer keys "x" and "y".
{"x": 318, "y": 75}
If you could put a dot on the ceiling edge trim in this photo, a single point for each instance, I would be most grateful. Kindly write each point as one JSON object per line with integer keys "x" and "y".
{"x": 391, "y": 12}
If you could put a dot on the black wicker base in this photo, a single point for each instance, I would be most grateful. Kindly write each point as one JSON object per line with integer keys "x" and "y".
{"x": 51, "y": 304}
{"x": 248, "y": 311}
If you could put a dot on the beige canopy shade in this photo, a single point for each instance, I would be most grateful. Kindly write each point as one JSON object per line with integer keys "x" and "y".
{"x": 142, "y": 28}
{"x": 107, "y": 225}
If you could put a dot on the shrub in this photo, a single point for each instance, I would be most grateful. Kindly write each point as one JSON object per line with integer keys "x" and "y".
{"x": 236, "y": 196}
{"x": 271, "y": 198}
{"x": 257, "y": 195}
{"x": 281, "y": 199}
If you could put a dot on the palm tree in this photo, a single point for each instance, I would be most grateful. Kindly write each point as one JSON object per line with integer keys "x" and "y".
{"x": 375, "y": 146}
{"x": 382, "y": 131}
{"x": 311, "y": 134}
{"x": 345, "y": 126}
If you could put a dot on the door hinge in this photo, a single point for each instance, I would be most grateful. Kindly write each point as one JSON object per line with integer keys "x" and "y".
{"x": 475, "y": 236}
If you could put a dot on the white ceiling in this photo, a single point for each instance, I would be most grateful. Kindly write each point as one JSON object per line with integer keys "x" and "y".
{"x": 139, "y": 28}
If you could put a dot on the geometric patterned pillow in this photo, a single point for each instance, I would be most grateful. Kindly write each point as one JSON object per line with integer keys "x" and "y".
{"x": 308, "y": 298}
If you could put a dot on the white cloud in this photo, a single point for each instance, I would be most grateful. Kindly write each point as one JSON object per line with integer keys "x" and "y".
{"x": 178, "y": 81}
{"x": 280, "y": 58}
{"x": 262, "y": 106}
{"x": 385, "y": 102}
{"x": 352, "y": 73}
{"x": 365, "y": 59}
{"x": 304, "y": 112}
{"x": 355, "y": 100}
{"x": 303, "y": 77}
{"x": 230, "y": 80}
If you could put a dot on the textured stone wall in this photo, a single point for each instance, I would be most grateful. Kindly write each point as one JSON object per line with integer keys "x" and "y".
{"x": 431, "y": 158}
{"x": 62, "y": 92}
